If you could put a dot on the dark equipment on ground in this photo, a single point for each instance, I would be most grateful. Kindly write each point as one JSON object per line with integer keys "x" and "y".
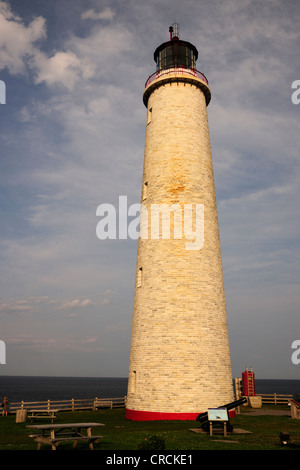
{"x": 285, "y": 438}
{"x": 203, "y": 417}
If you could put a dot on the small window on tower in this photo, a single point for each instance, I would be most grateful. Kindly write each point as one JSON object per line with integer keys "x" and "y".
{"x": 145, "y": 190}
{"x": 149, "y": 115}
{"x": 139, "y": 277}
{"x": 133, "y": 381}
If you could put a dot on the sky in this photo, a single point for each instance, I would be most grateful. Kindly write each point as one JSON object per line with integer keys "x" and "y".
{"x": 72, "y": 135}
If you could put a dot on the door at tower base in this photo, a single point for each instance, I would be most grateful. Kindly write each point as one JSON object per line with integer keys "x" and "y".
{"x": 179, "y": 358}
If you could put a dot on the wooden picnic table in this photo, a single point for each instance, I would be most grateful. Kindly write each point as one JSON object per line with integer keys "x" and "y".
{"x": 295, "y": 408}
{"x": 53, "y": 434}
{"x": 37, "y": 414}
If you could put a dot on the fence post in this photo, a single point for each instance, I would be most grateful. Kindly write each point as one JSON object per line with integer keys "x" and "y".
{"x": 275, "y": 400}
{"x": 73, "y": 404}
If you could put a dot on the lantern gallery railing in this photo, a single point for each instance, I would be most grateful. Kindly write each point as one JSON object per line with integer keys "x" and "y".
{"x": 177, "y": 70}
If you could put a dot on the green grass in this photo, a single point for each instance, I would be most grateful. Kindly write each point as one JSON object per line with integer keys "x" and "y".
{"x": 121, "y": 434}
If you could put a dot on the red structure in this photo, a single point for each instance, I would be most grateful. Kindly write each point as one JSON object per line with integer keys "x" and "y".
{"x": 248, "y": 380}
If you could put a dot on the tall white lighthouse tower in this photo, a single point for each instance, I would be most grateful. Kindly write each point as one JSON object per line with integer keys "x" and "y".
{"x": 179, "y": 360}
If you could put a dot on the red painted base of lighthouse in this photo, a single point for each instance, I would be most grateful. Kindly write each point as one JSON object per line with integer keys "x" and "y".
{"x": 135, "y": 415}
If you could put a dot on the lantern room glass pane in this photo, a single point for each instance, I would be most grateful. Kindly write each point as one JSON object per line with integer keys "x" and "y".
{"x": 176, "y": 55}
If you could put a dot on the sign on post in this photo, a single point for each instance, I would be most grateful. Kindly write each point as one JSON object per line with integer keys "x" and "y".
{"x": 219, "y": 415}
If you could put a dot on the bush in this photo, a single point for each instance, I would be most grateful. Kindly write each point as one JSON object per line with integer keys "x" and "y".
{"x": 152, "y": 443}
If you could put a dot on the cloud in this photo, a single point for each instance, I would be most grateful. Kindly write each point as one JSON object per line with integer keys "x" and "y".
{"x": 76, "y": 303}
{"x": 20, "y": 54}
{"x": 6, "y": 11}
{"x": 17, "y": 41}
{"x": 15, "y": 307}
{"x": 51, "y": 344}
{"x": 63, "y": 68}
{"x": 33, "y": 304}
{"x": 106, "y": 14}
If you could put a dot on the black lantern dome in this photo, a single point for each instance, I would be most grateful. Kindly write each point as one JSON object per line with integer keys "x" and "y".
{"x": 175, "y": 53}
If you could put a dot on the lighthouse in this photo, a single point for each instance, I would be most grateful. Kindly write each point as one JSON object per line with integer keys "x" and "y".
{"x": 179, "y": 358}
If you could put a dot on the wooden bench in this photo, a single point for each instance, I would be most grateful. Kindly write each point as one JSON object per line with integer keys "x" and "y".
{"x": 57, "y": 440}
{"x": 295, "y": 408}
{"x": 103, "y": 404}
{"x": 42, "y": 414}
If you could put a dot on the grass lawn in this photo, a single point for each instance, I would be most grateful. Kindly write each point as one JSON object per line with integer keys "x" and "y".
{"x": 121, "y": 434}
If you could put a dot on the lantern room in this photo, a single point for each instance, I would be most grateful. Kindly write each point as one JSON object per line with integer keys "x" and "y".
{"x": 175, "y": 53}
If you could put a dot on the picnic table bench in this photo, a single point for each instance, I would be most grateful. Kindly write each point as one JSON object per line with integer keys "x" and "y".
{"x": 102, "y": 403}
{"x": 295, "y": 408}
{"x": 54, "y": 434}
{"x": 42, "y": 414}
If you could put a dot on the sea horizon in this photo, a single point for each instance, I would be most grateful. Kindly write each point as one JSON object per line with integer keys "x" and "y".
{"x": 41, "y": 388}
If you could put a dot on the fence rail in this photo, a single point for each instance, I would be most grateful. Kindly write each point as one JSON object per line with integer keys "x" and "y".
{"x": 275, "y": 398}
{"x": 76, "y": 404}
{"x": 73, "y": 404}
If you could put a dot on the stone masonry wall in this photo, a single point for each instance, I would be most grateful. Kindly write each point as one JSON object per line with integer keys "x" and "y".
{"x": 180, "y": 358}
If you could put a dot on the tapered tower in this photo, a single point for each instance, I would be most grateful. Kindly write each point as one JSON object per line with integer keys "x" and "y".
{"x": 179, "y": 360}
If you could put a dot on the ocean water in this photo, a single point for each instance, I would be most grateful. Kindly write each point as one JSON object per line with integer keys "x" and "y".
{"x": 65, "y": 388}
{"x": 61, "y": 388}
{"x": 283, "y": 387}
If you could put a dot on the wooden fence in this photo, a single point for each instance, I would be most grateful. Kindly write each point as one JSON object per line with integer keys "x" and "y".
{"x": 271, "y": 398}
{"x": 275, "y": 398}
{"x": 73, "y": 404}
